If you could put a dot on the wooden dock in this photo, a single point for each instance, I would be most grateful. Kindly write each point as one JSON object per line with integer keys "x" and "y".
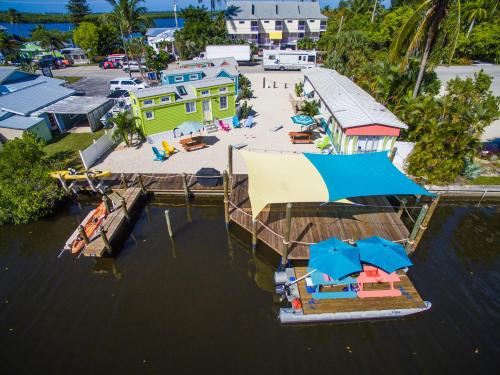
{"x": 312, "y": 223}
{"x": 113, "y": 224}
{"x": 410, "y": 300}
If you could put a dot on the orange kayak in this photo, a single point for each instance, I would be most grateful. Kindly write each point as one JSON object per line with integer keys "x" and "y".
{"x": 90, "y": 226}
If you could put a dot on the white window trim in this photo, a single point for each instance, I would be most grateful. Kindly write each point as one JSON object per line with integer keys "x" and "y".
{"x": 165, "y": 99}
{"x": 193, "y": 77}
{"x": 149, "y": 118}
{"x": 222, "y": 89}
{"x": 186, "y": 107}
{"x": 179, "y": 80}
{"x": 148, "y": 104}
{"x": 220, "y": 103}
{"x": 205, "y": 92}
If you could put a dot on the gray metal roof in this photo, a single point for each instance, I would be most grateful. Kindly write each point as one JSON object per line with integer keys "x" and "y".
{"x": 154, "y": 91}
{"x": 6, "y": 71}
{"x": 30, "y": 99}
{"x": 31, "y": 81}
{"x": 348, "y": 103}
{"x": 210, "y": 72}
{"x": 20, "y": 122}
{"x": 279, "y": 10}
{"x": 210, "y": 82}
{"x": 216, "y": 62}
{"x": 76, "y": 105}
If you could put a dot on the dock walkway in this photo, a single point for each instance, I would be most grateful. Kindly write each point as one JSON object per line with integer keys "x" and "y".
{"x": 311, "y": 223}
{"x": 113, "y": 224}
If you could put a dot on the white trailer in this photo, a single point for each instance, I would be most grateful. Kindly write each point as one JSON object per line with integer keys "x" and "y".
{"x": 241, "y": 52}
{"x": 288, "y": 59}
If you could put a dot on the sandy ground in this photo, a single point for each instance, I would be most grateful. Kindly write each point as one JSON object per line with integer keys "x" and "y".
{"x": 272, "y": 107}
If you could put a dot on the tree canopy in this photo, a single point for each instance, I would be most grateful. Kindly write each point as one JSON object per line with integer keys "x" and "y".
{"x": 78, "y": 9}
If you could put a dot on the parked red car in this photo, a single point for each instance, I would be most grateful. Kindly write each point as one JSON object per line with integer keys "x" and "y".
{"x": 110, "y": 64}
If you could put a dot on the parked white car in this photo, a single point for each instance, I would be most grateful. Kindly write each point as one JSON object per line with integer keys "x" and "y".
{"x": 134, "y": 67}
{"x": 127, "y": 84}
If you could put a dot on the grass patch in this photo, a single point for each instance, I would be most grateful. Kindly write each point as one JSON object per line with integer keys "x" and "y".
{"x": 486, "y": 180}
{"x": 64, "y": 148}
{"x": 70, "y": 79}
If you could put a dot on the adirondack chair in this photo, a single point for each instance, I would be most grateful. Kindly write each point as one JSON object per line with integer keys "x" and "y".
{"x": 159, "y": 155}
{"x": 223, "y": 126}
{"x": 169, "y": 149}
{"x": 236, "y": 122}
{"x": 323, "y": 143}
{"x": 249, "y": 122}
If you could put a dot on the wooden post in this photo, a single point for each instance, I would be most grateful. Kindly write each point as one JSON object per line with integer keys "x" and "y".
{"x": 254, "y": 234}
{"x": 169, "y": 225}
{"x": 85, "y": 238}
{"x": 410, "y": 248}
{"x": 141, "y": 184}
{"x": 263, "y": 82}
{"x": 393, "y": 153}
{"x": 225, "y": 179}
{"x": 286, "y": 239}
{"x": 63, "y": 183}
{"x": 123, "y": 181}
{"x": 230, "y": 160}
{"x": 426, "y": 221}
{"x": 274, "y": 84}
{"x": 402, "y": 207}
{"x": 124, "y": 208}
{"x": 107, "y": 203}
{"x": 104, "y": 237}
{"x": 185, "y": 187}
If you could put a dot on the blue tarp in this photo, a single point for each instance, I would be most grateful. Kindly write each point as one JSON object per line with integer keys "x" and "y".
{"x": 362, "y": 175}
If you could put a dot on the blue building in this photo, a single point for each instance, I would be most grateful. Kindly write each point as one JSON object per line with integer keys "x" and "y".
{"x": 196, "y": 70}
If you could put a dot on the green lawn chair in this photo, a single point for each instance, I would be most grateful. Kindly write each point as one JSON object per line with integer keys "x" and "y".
{"x": 323, "y": 143}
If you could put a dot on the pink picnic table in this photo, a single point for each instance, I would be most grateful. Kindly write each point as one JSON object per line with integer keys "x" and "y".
{"x": 372, "y": 275}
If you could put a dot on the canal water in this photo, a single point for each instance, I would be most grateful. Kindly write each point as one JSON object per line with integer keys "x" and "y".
{"x": 205, "y": 304}
{"x": 24, "y": 29}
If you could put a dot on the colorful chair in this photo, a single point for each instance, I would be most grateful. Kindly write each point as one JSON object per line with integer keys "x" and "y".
{"x": 236, "y": 122}
{"x": 223, "y": 126}
{"x": 169, "y": 150}
{"x": 159, "y": 156}
{"x": 249, "y": 122}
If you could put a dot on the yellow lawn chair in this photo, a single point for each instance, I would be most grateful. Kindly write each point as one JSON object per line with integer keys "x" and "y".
{"x": 169, "y": 150}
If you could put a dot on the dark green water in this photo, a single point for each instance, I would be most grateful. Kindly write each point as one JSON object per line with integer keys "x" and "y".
{"x": 208, "y": 306}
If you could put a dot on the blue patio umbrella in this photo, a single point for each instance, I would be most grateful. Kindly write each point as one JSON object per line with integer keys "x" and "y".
{"x": 383, "y": 254}
{"x": 189, "y": 127}
{"x": 303, "y": 120}
{"x": 335, "y": 258}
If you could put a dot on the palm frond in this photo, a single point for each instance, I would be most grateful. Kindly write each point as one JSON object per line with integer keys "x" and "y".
{"x": 417, "y": 38}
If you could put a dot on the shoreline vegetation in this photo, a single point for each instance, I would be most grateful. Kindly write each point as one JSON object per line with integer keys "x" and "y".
{"x": 42, "y": 18}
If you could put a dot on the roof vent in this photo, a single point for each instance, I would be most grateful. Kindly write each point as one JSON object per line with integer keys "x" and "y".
{"x": 298, "y": 8}
{"x": 253, "y": 9}
{"x": 276, "y": 8}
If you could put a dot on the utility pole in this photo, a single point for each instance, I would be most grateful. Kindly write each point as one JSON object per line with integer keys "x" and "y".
{"x": 175, "y": 14}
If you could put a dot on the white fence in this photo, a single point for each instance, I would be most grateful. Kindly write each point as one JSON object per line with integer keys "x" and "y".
{"x": 100, "y": 146}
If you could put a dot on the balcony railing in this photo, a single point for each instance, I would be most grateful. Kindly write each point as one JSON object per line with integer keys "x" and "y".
{"x": 254, "y": 28}
{"x": 302, "y": 27}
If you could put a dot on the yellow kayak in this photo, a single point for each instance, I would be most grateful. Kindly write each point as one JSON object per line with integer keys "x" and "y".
{"x": 71, "y": 174}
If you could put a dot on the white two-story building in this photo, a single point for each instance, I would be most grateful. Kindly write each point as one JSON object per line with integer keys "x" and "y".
{"x": 275, "y": 24}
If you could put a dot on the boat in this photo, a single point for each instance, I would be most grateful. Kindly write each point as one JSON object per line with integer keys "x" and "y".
{"x": 91, "y": 224}
{"x": 72, "y": 174}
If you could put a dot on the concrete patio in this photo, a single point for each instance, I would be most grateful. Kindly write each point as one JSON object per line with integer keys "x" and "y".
{"x": 272, "y": 108}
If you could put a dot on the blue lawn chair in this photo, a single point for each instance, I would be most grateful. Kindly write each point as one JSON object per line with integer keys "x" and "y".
{"x": 159, "y": 155}
{"x": 236, "y": 122}
{"x": 249, "y": 122}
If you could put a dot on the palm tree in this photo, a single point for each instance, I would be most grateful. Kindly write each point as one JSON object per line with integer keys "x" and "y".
{"x": 436, "y": 21}
{"x": 310, "y": 108}
{"x": 14, "y": 15}
{"x": 478, "y": 11}
{"x": 129, "y": 15}
{"x": 125, "y": 127}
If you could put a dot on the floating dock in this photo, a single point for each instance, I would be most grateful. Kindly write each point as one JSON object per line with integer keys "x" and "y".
{"x": 113, "y": 225}
{"x": 311, "y": 223}
{"x": 341, "y": 309}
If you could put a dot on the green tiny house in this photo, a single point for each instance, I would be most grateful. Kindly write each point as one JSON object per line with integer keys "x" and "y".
{"x": 163, "y": 108}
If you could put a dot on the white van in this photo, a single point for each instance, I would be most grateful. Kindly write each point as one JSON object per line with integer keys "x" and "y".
{"x": 127, "y": 83}
{"x": 288, "y": 59}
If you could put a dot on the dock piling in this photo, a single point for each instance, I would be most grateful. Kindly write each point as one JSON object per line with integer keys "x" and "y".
{"x": 123, "y": 181}
{"x": 141, "y": 184}
{"x": 286, "y": 239}
{"x": 393, "y": 153}
{"x": 410, "y": 246}
{"x": 107, "y": 203}
{"x": 104, "y": 237}
{"x": 254, "y": 234}
{"x": 125, "y": 209}
{"x": 426, "y": 220}
{"x": 225, "y": 179}
{"x": 169, "y": 224}
{"x": 402, "y": 207}
{"x": 85, "y": 238}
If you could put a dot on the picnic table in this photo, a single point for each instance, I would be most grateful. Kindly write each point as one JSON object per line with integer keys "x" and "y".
{"x": 193, "y": 143}
{"x": 319, "y": 283}
{"x": 373, "y": 275}
{"x": 301, "y": 137}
